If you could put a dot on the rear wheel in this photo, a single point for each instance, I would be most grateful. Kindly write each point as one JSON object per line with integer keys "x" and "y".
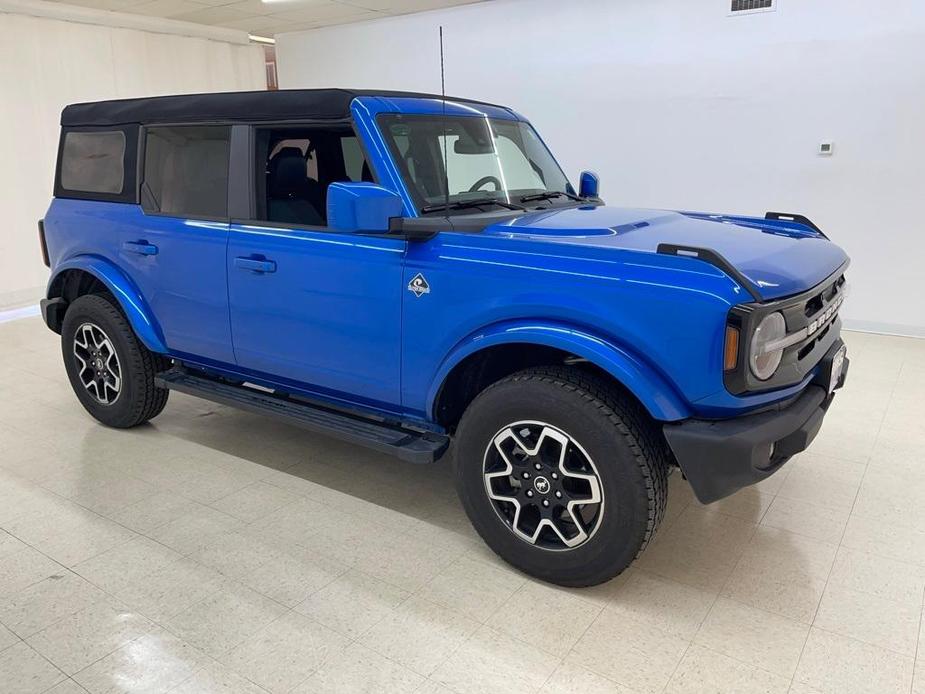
{"x": 562, "y": 475}
{"x": 111, "y": 372}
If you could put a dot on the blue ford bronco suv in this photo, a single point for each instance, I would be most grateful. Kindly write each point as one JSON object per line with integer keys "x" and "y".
{"x": 418, "y": 275}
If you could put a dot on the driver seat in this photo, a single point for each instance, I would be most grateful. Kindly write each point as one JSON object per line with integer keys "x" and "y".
{"x": 292, "y": 197}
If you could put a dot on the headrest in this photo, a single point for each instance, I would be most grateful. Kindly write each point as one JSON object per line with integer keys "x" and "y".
{"x": 288, "y": 172}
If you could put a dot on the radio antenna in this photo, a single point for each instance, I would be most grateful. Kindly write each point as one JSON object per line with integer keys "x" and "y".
{"x": 446, "y": 175}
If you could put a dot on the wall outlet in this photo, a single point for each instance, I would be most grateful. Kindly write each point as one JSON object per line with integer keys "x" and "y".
{"x": 826, "y": 147}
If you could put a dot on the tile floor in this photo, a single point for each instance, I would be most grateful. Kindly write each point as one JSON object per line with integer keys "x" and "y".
{"x": 216, "y": 551}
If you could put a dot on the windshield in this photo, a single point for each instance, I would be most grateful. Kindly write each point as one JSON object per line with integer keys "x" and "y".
{"x": 487, "y": 159}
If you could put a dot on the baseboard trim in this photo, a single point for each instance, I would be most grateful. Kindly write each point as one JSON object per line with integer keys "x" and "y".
{"x": 17, "y": 313}
{"x": 893, "y": 329}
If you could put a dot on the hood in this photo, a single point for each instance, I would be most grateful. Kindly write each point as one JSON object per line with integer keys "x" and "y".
{"x": 778, "y": 257}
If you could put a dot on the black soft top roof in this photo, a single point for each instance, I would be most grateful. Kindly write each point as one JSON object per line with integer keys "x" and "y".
{"x": 227, "y": 106}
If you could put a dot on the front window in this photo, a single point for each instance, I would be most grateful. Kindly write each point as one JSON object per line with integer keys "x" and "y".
{"x": 295, "y": 166}
{"x": 487, "y": 160}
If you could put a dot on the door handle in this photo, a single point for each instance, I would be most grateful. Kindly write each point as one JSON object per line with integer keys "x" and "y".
{"x": 140, "y": 247}
{"x": 255, "y": 264}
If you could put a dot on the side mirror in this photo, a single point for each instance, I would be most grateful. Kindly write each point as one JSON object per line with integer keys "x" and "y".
{"x": 361, "y": 207}
{"x": 589, "y": 185}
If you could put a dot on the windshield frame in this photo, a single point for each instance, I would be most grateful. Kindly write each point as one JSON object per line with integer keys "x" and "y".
{"x": 506, "y": 197}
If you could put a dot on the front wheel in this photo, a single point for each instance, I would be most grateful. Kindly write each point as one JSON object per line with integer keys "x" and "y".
{"x": 562, "y": 475}
{"x": 111, "y": 372}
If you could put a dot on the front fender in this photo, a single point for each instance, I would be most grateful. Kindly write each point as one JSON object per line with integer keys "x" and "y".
{"x": 652, "y": 390}
{"x": 131, "y": 301}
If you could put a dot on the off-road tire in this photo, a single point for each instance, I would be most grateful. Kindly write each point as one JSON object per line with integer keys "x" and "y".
{"x": 139, "y": 399}
{"x": 626, "y": 445}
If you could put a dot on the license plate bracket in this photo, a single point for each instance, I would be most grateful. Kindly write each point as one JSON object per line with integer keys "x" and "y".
{"x": 836, "y": 368}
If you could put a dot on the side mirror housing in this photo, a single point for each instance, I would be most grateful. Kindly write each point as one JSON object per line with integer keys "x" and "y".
{"x": 356, "y": 207}
{"x": 589, "y": 185}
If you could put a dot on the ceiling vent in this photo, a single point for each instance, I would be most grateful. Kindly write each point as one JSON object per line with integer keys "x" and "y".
{"x": 750, "y": 6}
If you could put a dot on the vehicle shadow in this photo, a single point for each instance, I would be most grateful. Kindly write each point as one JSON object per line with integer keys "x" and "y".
{"x": 425, "y": 492}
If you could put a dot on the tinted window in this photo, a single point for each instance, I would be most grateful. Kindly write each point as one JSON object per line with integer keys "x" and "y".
{"x": 93, "y": 162}
{"x": 186, "y": 171}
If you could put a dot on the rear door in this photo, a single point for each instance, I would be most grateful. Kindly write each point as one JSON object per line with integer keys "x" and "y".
{"x": 308, "y": 305}
{"x": 176, "y": 253}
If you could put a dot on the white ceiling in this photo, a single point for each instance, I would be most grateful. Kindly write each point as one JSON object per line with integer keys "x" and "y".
{"x": 268, "y": 17}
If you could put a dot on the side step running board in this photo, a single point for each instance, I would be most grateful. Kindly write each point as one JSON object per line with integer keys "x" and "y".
{"x": 412, "y": 446}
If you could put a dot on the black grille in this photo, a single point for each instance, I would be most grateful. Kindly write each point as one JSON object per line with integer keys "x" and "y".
{"x": 811, "y": 308}
{"x": 800, "y": 315}
{"x": 822, "y": 298}
{"x": 745, "y": 5}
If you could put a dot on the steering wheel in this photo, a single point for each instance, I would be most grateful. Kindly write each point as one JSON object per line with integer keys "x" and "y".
{"x": 482, "y": 181}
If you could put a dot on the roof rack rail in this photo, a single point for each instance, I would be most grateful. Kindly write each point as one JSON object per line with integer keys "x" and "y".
{"x": 791, "y": 217}
{"x": 710, "y": 256}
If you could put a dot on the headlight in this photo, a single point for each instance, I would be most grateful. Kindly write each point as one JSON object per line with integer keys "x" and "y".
{"x": 763, "y": 362}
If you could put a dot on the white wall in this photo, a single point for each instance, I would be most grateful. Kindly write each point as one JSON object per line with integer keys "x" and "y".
{"x": 678, "y": 105}
{"x": 46, "y": 64}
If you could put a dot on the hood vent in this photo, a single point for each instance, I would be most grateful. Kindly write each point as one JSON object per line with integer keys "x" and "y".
{"x": 749, "y": 6}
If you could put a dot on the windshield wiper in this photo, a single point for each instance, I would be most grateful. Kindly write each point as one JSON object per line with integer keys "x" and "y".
{"x": 549, "y": 194}
{"x": 465, "y": 204}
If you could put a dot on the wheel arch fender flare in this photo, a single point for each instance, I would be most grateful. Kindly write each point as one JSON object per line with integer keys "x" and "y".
{"x": 655, "y": 393}
{"x": 133, "y": 305}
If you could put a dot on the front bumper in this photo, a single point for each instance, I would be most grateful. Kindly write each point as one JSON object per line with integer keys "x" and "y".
{"x": 722, "y": 456}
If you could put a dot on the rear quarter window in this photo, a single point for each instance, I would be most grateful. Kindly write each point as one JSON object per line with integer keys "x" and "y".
{"x": 98, "y": 163}
{"x": 93, "y": 162}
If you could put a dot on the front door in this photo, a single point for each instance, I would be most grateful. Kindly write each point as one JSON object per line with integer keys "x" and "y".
{"x": 317, "y": 308}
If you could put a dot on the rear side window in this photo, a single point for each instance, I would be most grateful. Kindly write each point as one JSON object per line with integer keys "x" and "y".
{"x": 186, "y": 171}
{"x": 93, "y": 162}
